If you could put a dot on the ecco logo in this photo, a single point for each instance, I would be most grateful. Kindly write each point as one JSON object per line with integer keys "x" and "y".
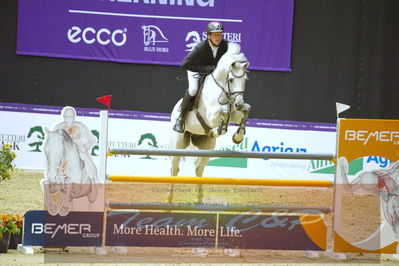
{"x": 103, "y": 36}
{"x": 365, "y": 136}
{"x": 68, "y": 229}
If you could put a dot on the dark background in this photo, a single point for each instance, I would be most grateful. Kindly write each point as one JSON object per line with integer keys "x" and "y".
{"x": 342, "y": 50}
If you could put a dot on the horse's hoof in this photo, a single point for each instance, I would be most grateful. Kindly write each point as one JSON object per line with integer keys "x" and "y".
{"x": 53, "y": 210}
{"x": 200, "y": 200}
{"x": 92, "y": 196}
{"x": 237, "y": 138}
{"x": 64, "y": 211}
{"x": 169, "y": 199}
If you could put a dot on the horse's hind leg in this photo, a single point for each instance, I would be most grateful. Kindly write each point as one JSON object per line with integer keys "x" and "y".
{"x": 203, "y": 143}
{"x": 177, "y": 141}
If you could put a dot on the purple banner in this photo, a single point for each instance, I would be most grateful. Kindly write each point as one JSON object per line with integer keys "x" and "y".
{"x": 156, "y": 229}
{"x": 154, "y": 31}
{"x": 210, "y": 230}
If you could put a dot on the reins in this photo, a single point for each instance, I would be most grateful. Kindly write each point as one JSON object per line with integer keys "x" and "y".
{"x": 230, "y": 95}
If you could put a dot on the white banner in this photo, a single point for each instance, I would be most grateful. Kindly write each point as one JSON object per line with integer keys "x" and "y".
{"x": 23, "y": 127}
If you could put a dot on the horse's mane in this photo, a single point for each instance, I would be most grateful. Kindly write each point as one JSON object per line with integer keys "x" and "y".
{"x": 234, "y": 50}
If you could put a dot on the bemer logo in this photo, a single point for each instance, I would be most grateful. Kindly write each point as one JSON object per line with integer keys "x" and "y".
{"x": 67, "y": 229}
{"x": 365, "y": 136}
{"x": 103, "y": 36}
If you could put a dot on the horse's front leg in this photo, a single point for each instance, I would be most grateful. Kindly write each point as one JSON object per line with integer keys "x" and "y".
{"x": 200, "y": 164}
{"x": 51, "y": 206}
{"x": 224, "y": 121}
{"x": 174, "y": 171}
{"x": 66, "y": 199}
{"x": 239, "y": 135}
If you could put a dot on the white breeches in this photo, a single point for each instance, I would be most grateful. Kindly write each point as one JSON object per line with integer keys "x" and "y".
{"x": 192, "y": 78}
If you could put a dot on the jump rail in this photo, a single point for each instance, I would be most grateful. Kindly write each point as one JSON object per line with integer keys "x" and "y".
{"x": 217, "y": 207}
{"x": 221, "y": 181}
{"x": 227, "y": 154}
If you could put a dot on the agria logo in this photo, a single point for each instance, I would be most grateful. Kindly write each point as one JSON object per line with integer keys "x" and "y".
{"x": 328, "y": 167}
{"x": 232, "y": 162}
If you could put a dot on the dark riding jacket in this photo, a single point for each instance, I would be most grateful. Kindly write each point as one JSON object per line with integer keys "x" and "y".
{"x": 201, "y": 57}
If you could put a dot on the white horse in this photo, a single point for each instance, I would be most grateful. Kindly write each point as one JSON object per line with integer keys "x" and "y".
{"x": 220, "y": 102}
{"x": 65, "y": 172}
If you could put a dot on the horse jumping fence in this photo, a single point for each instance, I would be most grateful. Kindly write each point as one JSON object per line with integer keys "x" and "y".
{"x": 207, "y": 180}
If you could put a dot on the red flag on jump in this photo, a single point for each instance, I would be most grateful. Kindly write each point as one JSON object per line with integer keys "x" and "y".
{"x": 106, "y": 100}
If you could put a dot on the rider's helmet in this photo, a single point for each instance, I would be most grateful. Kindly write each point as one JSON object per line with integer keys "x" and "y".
{"x": 214, "y": 26}
{"x": 69, "y": 114}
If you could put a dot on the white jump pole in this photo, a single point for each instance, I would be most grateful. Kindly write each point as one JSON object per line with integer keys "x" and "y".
{"x": 103, "y": 143}
{"x": 228, "y": 154}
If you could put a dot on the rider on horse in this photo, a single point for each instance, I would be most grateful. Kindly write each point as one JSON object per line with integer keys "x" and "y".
{"x": 201, "y": 60}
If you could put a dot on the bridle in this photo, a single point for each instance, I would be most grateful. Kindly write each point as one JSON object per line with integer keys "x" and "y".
{"x": 231, "y": 96}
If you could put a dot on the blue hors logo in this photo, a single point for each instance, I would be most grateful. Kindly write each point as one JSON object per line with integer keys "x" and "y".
{"x": 153, "y": 34}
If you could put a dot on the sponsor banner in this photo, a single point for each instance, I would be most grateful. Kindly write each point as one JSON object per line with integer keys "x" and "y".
{"x": 278, "y": 231}
{"x": 156, "y": 229}
{"x": 373, "y": 143}
{"x": 249, "y": 231}
{"x": 75, "y": 229}
{"x": 156, "y": 31}
{"x": 26, "y": 126}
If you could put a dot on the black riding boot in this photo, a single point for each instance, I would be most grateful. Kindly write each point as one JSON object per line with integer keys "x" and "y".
{"x": 184, "y": 107}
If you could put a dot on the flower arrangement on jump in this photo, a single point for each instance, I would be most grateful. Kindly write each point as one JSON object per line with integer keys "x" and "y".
{"x": 7, "y": 156}
{"x": 10, "y": 223}
{"x": 18, "y": 220}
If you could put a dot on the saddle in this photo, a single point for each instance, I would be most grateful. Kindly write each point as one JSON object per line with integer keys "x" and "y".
{"x": 194, "y": 104}
{"x": 195, "y": 99}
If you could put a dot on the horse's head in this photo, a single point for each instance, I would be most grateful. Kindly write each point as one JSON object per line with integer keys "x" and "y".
{"x": 54, "y": 151}
{"x": 236, "y": 78}
{"x": 233, "y": 68}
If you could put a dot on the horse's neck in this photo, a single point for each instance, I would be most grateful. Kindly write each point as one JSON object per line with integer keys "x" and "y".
{"x": 214, "y": 82}
{"x": 73, "y": 158}
{"x": 220, "y": 74}
{"x": 211, "y": 91}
